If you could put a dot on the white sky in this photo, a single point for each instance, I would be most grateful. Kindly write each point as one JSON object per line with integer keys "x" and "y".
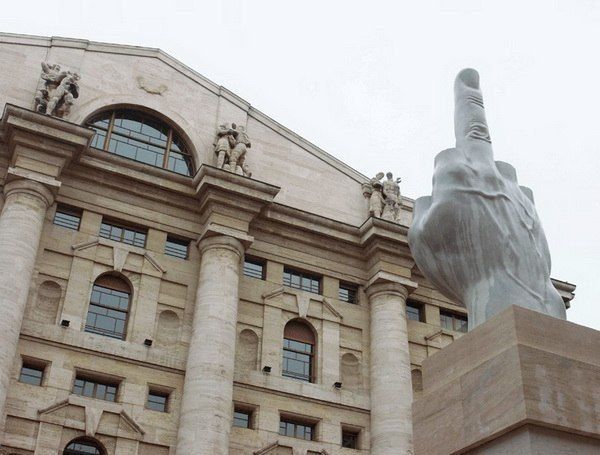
{"x": 371, "y": 83}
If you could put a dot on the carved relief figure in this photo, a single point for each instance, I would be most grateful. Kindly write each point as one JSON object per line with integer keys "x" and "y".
{"x": 59, "y": 90}
{"x": 231, "y": 146}
{"x": 384, "y": 197}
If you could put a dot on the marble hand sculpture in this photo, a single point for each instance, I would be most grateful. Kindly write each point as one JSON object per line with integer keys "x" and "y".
{"x": 478, "y": 237}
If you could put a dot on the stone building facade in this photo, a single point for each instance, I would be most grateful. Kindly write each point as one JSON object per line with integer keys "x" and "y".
{"x": 161, "y": 298}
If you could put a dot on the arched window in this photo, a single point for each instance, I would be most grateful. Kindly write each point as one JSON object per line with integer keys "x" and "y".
{"x": 298, "y": 351}
{"x": 83, "y": 446}
{"x": 141, "y": 137}
{"x": 109, "y": 307}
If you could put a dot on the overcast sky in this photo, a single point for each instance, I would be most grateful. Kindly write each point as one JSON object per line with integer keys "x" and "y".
{"x": 371, "y": 83}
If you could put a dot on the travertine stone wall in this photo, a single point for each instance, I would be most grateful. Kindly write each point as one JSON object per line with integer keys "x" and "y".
{"x": 21, "y": 225}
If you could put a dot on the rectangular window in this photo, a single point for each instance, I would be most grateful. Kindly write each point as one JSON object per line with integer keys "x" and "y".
{"x": 350, "y": 438}
{"x": 177, "y": 248}
{"x": 95, "y": 389}
{"x": 157, "y": 400}
{"x": 296, "y": 429}
{"x": 414, "y": 311}
{"x": 348, "y": 293}
{"x": 254, "y": 268}
{"x": 242, "y": 418}
{"x": 121, "y": 233}
{"x": 301, "y": 280}
{"x": 67, "y": 217}
{"x": 453, "y": 321}
{"x": 32, "y": 373}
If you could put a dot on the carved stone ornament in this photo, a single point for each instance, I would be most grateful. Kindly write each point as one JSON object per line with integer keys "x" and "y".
{"x": 231, "y": 147}
{"x": 57, "y": 91}
{"x": 478, "y": 237}
{"x": 385, "y": 200}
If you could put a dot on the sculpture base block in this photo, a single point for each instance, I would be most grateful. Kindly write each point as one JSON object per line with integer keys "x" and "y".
{"x": 521, "y": 383}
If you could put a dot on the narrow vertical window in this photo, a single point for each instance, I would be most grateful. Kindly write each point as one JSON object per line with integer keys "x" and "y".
{"x": 109, "y": 307}
{"x": 298, "y": 351}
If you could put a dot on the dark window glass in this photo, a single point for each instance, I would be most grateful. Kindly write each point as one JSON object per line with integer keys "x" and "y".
{"x": 95, "y": 389}
{"x": 241, "y": 418}
{"x": 107, "y": 314}
{"x": 350, "y": 439}
{"x": 82, "y": 447}
{"x": 301, "y": 280}
{"x": 297, "y": 429}
{"x": 177, "y": 248}
{"x": 414, "y": 311}
{"x": 453, "y": 321}
{"x": 254, "y": 268}
{"x": 141, "y": 137}
{"x": 157, "y": 401}
{"x": 31, "y": 374}
{"x": 297, "y": 360}
{"x": 67, "y": 217}
{"x": 119, "y": 233}
{"x": 348, "y": 293}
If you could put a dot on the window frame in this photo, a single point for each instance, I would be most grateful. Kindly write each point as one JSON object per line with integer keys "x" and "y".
{"x": 124, "y": 227}
{"x": 159, "y": 392}
{"x": 83, "y": 440}
{"x": 178, "y": 241}
{"x": 350, "y": 287}
{"x": 255, "y": 261}
{"x": 298, "y": 422}
{"x": 248, "y": 410}
{"x": 420, "y": 307}
{"x": 455, "y": 317}
{"x": 302, "y": 275}
{"x": 173, "y": 136}
{"x": 355, "y": 433}
{"x": 96, "y": 380}
{"x": 62, "y": 209}
{"x": 109, "y": 308}
{"x": 35, "y": 365}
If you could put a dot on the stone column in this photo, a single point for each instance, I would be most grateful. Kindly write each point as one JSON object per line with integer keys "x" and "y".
{"x": 391, "y": 388}
{"x": 21, "y": 223}
{"x": 206, "y": 409}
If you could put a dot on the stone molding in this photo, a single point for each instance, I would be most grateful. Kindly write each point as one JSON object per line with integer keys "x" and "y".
{"x": 387, "y": 288}
{"x": 30, "y": 187}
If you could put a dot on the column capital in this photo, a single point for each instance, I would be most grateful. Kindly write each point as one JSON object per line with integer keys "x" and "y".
{"x": 31, "y": 187}
{"x": 226, "y": 242}
{"x": 388, "y": 283}
{"x": 41, "y": 144}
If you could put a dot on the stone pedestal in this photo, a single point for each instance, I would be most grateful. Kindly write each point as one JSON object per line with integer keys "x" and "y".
{"x": 521, "y": 383}
{"x": 206, "y": 406}
{"x": 391, "y": 389}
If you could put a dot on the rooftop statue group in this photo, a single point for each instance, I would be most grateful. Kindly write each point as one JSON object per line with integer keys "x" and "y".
{"x": 231, "y": 146}
{"x": 57, "y": 92}
{"x": 384, "y": 197}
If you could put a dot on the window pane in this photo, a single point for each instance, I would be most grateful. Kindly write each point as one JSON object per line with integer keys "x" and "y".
{"x": 301, "y": 280}
{"x": 349, "y": 440}
{"x": 177, "y": 248}
{"x": 414, "y": 312}
{"x": 348, "y": 293}
{"x": 122, "y": 234}
{"x": 254, "y": 268}
{"x": 157, "y": 401}
{"x": 141, "y": 137}
{"x": 95, "y": 389}
{"x": 31, "y": 375}
{"x": 67, "y": 218}
{"x": 241, "y": 419}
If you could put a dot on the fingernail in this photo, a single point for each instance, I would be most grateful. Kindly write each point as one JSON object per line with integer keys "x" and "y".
{"x": 469, "y": 77}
